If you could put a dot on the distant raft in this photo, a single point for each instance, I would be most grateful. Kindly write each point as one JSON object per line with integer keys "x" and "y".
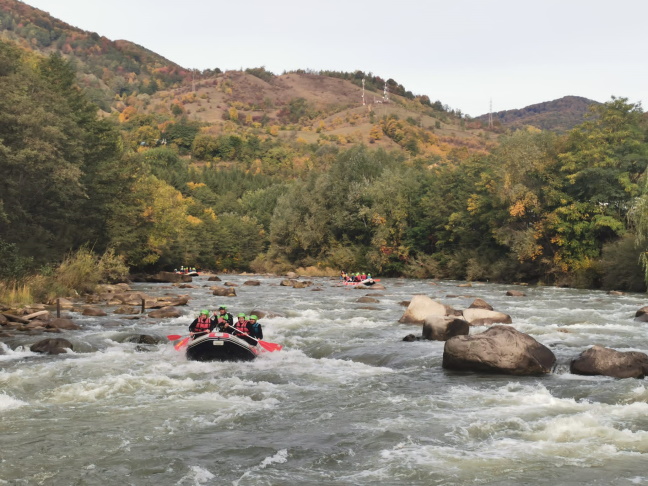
{"x": 222, "y": 346}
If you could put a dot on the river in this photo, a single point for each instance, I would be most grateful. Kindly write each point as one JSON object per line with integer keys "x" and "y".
{"x": 346, "y": 402}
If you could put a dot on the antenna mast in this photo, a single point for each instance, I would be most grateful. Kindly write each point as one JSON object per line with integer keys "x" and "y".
{"x": 490, "y": 115}
{"x": 363, "y": 92}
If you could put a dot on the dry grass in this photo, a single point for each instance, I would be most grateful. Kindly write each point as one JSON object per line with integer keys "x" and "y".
{"x": 14, "y": 293}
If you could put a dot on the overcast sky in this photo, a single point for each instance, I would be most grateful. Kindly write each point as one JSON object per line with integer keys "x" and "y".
{"x": 463, "y": 53}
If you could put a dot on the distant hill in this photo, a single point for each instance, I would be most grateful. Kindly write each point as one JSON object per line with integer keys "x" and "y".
{"x": 105, "y": 67}
{"x": 142, "y": 88}
{"x": 558, "y": 115}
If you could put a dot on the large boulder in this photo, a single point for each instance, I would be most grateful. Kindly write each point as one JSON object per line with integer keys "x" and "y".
{"x": 51, "y": 346}
{"x": 442, "y": 328}
{"x": 599, "y": 360}
{"x": 252, "y": 283}
{"x": 500, "y": 349}
{"x": 485, "y": 317}
{"x": 420, "y": 307}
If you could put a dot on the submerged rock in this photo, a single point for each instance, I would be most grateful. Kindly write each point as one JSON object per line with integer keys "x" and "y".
{"x": 51, "y": 346}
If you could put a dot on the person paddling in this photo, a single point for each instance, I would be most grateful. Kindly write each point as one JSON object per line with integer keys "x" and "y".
{"x": 202, "y": 324}
{"x": 254, "y": 327}
{"x": 223, "y": 318}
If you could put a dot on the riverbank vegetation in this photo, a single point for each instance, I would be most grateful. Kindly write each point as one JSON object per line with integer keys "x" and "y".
{"x": 541, "y": 207}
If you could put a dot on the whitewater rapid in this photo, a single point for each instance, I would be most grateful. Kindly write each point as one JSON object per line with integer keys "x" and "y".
{"x": 346, "y": 402}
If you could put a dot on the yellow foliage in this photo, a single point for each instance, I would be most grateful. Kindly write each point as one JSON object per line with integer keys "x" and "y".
{"x": 210, "y": 214}
{"x": 193, "y": 220}
{"x": 195, "y": 185}
{"x": 233, "y": 113}
{"x": 517, "y": 209}
{"x": 274, "y": 130}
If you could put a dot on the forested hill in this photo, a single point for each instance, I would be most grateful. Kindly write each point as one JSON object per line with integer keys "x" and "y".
{"x": 558, "y": 115}
{"x": 105, "y": 67}
{"x": 248, "y": 170}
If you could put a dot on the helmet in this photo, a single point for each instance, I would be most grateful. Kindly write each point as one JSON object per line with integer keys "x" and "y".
{"x": 224, "y": 307}
{"x": 204, "y": 312}
{"x": 253, "y": 317}
{"x": 242, "y": 314}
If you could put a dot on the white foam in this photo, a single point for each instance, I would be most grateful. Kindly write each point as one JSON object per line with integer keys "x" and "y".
{"x": 10, "y": 403}
{"x": 197, "y": 475}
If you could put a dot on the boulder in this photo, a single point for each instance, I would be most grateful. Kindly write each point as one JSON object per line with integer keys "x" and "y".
{"x": 292, "y": 275}
{"x": 3, "y": 320}
{"x": 599, "y": 360}
{"x": 485, "y": 317}
{"x": 223, "y": 291}
{"x": 442, "y": 328}
{"x": 63, "y": 323}
{"x": 420, "y": 307}
{"x": 164, "y": 313}
{"x": 480, "y": 304}
{"x": 214, "y": 279}
{"x": 168, "y": 302}
{"x": 93, "y": 311}
{"x": 515, "y": 293}
{"x": 252, "y": 283}
{"x": 51, "y": 346}
{"x": 367, "y": 300}
{"x": 230, "y": 284}
{"x": 500, "y": 349}
{"x": 411, "y": 338}
{"x": 642, "y": 314}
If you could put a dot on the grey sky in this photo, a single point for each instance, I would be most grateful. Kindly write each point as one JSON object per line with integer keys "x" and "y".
{"x": 461, "y": 52}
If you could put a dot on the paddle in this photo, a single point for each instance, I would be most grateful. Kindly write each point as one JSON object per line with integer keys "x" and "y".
{"x": 268, "y": 346}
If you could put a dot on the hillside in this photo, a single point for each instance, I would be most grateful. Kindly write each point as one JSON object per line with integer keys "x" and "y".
{"x": 131, "y": 81}
{"x": 558, "y": 115}
{"x": 106, "y": 68}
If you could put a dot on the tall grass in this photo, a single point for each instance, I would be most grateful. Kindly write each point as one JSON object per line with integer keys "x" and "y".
{"x": 16, "y": 293}
{"x": 79, "y": 273}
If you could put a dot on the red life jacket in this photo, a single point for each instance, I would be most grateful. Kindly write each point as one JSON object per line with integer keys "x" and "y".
{"x": 241, "y": 326}
{"x": 203, "y": 324}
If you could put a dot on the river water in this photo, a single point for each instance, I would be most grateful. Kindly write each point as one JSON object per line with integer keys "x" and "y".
{"x": 346, "y": 402}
